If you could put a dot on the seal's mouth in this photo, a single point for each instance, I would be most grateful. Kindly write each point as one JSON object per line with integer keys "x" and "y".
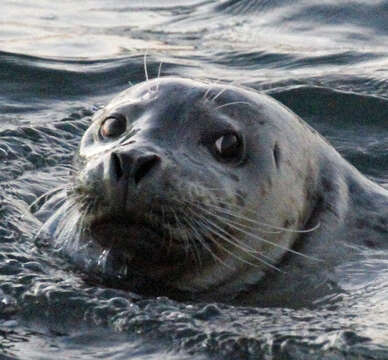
{"x": 146, "y": 248}
{"x": 129, "y": 236}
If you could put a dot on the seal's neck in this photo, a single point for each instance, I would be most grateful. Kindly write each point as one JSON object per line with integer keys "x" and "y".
{"x": 346, "y": 200}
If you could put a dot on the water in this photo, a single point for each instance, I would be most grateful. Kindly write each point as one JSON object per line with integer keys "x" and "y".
{"x": 59, "y": 62}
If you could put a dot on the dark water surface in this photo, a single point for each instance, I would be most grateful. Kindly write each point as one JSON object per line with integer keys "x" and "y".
{"x": 59, "y": 61}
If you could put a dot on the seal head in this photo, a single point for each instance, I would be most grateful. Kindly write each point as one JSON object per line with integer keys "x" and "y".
{"x": 196, "y": 185}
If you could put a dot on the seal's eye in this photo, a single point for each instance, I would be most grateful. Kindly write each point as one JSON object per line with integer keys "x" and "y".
{"x": 228, "y": 146}
{"x": 113, "y": 126}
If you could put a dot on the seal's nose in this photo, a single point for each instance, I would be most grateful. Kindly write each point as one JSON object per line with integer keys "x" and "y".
{"x": 132, "y": 165}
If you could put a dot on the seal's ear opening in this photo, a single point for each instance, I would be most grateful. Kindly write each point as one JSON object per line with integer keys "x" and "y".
{"x": 276, "y": 155}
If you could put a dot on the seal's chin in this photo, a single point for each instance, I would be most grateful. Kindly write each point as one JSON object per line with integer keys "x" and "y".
{"x": 145, "y": 249}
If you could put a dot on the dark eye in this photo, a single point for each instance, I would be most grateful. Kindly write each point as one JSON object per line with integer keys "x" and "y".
{"x": 228, "y": 146}
{"x": 113, "y": 126}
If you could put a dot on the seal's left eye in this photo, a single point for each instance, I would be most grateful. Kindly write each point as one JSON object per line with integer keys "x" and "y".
{"x": 228, "y": 146}
{"x": 113, "y": 126}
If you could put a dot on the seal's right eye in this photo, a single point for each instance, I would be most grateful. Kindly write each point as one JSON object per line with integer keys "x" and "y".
{"x": 113, "y": 126}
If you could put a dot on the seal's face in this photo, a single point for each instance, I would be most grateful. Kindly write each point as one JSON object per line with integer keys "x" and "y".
{"x": 192, "y": 183}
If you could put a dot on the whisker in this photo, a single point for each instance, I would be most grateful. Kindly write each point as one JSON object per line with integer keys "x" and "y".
{"x": 67, "y": 224}
{"x": 227, "y": 87}
{"x": 210, "y": 88}
{"x": 196, "y": 252}
{"x": 251, "y": 227}
{"x": 234, "y": 103}
{"x": 243, "y": 247}
{"x": 256, "y": 222}
{"x": 145, "y": 65}
{"x": 185, "y": 239}
{"x": 219, "y": 94}
{"x": 158, "y": 77}
{"x": 215, "y": 257}
{"x": 255, "y": 236}
{"x": 160, "y": 69}
{"x": 238, "y": 244}
{"x": 231, "y": 253}
{"x": 259, "y": 223}
{"x": 170, "y": 235}
{"x": 46, "y": 195}
{"x": 204, "y": 97}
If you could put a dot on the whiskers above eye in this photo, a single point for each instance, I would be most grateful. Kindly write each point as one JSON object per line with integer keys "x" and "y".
{"x": 233, "y": 103}
{"x": 207, "y": 98}
{"x": 145, "y": 65}
{"x": 154, "y": 89}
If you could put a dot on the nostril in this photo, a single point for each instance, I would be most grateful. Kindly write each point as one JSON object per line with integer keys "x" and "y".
{"x": 117, "y": 165}
{"x": 132, "y": 165}
{"x": 143, "y": 166}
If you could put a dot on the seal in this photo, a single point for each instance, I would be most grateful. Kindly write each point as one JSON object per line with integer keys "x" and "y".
{"x": 215, "y": 191}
